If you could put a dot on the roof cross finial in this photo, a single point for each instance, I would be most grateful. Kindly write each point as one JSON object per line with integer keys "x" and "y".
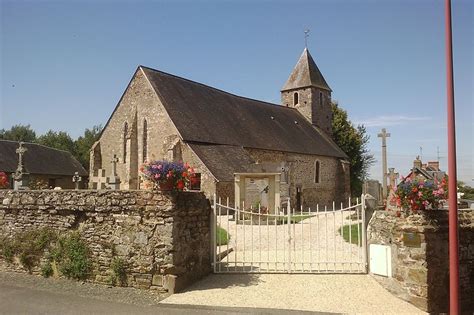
{"x": 306, "y": 35}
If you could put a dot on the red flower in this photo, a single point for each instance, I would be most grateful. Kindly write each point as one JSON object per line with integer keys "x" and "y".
{"x": 185, "y": 174}
{"x": 180, "y": 185}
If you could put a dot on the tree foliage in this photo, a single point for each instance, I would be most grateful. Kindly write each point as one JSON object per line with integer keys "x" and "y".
{"x": 61, "y": 140}
{"x": 18, "y": 133}
{"x": 84, "y": 144}
{"x": 353, "y": 141}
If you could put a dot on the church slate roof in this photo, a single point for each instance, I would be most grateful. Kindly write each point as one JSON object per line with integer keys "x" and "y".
{"x": 207, "y": 115}
{"x": 223, "y": 160}
{"x": 39, "y": 159}
{"x": 306, "y": 73}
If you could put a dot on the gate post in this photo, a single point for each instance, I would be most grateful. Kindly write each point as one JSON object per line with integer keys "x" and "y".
{"x": 288, "y": 218}
{"x": 364, "y": 234}
{"x": 214, "y": 232}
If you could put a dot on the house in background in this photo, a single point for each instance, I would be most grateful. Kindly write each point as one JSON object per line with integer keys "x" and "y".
{"x": 163, "y": 116}
{"x": 428, "y": 171}
{"x": 47, "y": 167}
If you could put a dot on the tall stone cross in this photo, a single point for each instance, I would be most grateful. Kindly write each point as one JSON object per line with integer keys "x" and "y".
{"x": 18, "y": 176}
{"x": 76, "y": 179}
{"x": 113, "y": 181}
{"x": 392, "y": 177}
{"x": 384, "y": 135}
{"x": 114, "y": 162}
{"x": 20, "y": 151}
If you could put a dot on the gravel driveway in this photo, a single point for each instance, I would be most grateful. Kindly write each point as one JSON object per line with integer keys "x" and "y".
{"x": 322, "y": 293}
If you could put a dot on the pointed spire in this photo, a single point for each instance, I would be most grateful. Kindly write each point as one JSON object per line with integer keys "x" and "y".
{"x": 306, "y": 74}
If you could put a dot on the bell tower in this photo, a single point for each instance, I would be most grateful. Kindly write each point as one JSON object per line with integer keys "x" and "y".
{"x": 307, "y": 91}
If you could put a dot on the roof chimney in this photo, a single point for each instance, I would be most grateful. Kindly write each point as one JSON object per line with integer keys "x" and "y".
{"x": 417, "y": 162}
{"x": 434, "y": 165}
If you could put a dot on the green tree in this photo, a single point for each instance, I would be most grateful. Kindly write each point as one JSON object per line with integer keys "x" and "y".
{"x": 84, "y": 144}
{"x": 468, "y": 191}
{"x": 59, "y": 140}
{"x": 18, "y": 133}
{"x": 353, "y": 141}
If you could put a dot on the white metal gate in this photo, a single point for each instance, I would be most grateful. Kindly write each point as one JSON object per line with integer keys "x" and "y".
{"x": 321, "y": 240}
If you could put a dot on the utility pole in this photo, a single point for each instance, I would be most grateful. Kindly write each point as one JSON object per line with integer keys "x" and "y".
{"x": 454, "y": 307}
{"x": 384, "y": 135}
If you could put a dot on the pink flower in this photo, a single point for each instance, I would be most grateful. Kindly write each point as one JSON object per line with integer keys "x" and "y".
{"x": 420, "y": 194}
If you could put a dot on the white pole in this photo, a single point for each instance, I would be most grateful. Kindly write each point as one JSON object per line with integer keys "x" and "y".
{"x": 213, "y": 233}
{"x": 288, "y": 218}
{"x": 364, "y": 234}
{"x": 260, "y": 237}
{"x": 220, "y": 226}
{"x": 228, "y": 234}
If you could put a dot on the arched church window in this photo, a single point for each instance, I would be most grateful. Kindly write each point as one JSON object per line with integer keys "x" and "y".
{"x": 317, "y": 170}
{"x": 145, "y": 140}
{"x": 321, "y": 99}
{"x": 295, "y": 98}
{"x": 125, "y": 131}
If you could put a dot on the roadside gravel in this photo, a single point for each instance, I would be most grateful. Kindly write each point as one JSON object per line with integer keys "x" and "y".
{"x": 82, "y": 289}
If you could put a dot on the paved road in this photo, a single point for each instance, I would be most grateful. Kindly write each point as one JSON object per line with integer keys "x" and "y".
{"x": 23, "y": 298}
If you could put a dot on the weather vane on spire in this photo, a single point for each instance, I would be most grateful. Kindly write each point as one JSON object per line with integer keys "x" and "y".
{"x": 306, "y": 35}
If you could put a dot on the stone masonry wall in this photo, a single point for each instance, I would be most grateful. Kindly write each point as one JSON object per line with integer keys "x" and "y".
{"x": 333, "y": 185}
{"x": 164, "y": 239}
{"x": 310, "y": 106}
{"x": 421, "y": 273}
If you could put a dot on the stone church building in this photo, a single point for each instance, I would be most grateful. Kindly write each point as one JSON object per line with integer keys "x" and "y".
{"x": 162, "y": 116}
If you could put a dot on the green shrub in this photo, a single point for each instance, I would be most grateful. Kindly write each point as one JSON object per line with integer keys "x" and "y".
{"x": 222, "y": 236}
{"x": 119, "y": 272}
{"x": 47, "y": 269}
{"x": 72, "y": 256}
{"x": 7, "y": 249}
{"x": 29, "y": 246}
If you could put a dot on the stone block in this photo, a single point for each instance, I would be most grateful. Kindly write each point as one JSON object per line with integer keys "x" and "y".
{"x": 157, "y": 280}
{"x": 418, "y": 276}
{"x": 169, "y": 283}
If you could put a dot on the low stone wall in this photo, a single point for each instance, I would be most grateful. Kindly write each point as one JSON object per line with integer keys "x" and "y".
{"x": 420, "y": 269}
{"x": 164, "y": 239}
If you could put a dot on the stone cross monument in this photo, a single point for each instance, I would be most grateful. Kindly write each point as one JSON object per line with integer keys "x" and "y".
{"x": 76, "y": 179}
{"x": 113, "y": 181}
{"x": 393, "y": 178}
{"x": 384, "y": 135}
{"x": 19, "y": 176}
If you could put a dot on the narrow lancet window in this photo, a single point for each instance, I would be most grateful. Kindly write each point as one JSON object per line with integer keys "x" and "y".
{"x": 317, "y": 172}
{"x": 125, "y": 131}
{"x": 145, "y": 140}
{"x": 295, "y": 98}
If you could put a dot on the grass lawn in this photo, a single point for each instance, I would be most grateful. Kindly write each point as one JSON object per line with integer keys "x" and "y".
{"x": 222, "y": 236}
{"x": 354, "y": 233}
{"x": 296, "y": 218}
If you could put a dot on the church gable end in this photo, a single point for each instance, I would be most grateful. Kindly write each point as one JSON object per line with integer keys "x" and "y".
{"x": 139, "y": 125}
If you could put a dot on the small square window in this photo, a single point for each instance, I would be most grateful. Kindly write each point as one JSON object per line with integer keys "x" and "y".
{"x": 195, "y": 182}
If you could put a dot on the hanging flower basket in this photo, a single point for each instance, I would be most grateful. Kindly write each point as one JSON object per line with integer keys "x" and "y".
{"x": 3, "y": 180}
{"x": 165, "y": 185}
{"x": 167, "y": 176}
{"x": 415, "y": 195}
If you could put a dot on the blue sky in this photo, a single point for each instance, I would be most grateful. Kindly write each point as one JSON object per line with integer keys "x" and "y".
{"x": 65, "y": 64}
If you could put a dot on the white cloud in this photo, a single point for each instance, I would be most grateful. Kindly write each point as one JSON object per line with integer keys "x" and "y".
{"x": 394, "y": 120}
